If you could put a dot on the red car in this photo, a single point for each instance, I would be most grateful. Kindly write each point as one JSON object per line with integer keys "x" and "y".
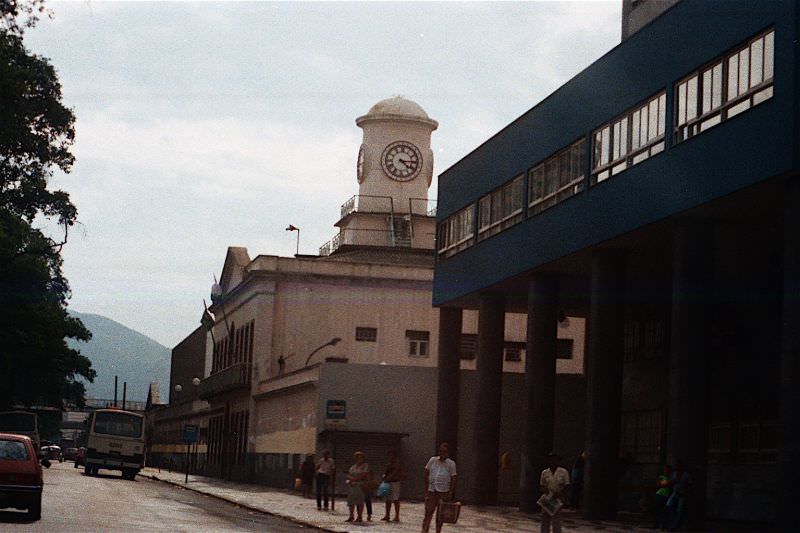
{"x": 21, "y": 478}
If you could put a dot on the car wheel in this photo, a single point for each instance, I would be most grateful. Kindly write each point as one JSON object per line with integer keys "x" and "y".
{"x": 35, "y": 510}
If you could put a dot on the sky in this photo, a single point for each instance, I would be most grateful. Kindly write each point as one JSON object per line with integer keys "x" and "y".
{"x": 203, "y": 125}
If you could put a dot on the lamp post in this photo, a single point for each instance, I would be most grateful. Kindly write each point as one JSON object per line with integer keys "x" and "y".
{"x": 178, "y": 388}
{"x": 333, "y": 342}
{"x": 295, "y": 228}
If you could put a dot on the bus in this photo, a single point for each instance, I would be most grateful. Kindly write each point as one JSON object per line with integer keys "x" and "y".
{"x": 116, "y": 442}
{"x": 21, "y": 423}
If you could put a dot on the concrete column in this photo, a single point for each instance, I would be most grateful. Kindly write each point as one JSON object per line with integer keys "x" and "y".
{"x": 692, "y": 300}
{"x": 449, "y": 363}
{"x": 604, "y": 383}
{"x": 788, "y": 491}
{"x": 540, "y": 385}
{"x": 491, "y": 326}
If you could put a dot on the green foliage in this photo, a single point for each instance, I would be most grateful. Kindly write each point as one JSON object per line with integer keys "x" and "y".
{"x": 36, "y": 133}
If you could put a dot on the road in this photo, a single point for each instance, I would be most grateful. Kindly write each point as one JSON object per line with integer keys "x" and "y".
{"x": 79, "y": 503}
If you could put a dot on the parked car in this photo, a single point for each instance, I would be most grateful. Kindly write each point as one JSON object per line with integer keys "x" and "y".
{"x": 69, "y": 454}
{"x": 80, "y": 457}
{"x": 21, "y": 478}
{"x": 52, "y": 452}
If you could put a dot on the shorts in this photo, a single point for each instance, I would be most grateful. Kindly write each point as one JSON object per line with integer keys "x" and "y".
{"x": 394, "y": 491}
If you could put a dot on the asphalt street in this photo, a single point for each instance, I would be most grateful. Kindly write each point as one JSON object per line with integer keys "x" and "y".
{"x": 75, "y": 502}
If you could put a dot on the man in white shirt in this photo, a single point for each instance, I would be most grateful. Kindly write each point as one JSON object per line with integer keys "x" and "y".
{"x": 553, "y": 483}
{"x": 440, "y": 480}
{"x": 325, "y": 471}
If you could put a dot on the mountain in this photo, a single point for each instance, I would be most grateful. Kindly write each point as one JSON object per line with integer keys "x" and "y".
{"x": 116, "y": 350}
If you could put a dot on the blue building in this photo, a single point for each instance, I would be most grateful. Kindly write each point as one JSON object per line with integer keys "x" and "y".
{"x": 657, "y": 194}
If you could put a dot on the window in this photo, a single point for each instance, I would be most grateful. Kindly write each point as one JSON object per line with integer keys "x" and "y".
{"x": 564, "y": 348}
{"x": 13, "y": 450}
{"x": 556, "y": 179}
{"x": 417, "y": 343}
{"x": 512, "y": 351}
{"x": 469, "y": 346}
{"x": 728, "y": 86}
{"x": 500, "y": 209}
{"x": 367, "y": 334}
{"x": 630, "y": 139}
{"x": 758, "y": 441}
{"x": 645, "y": 339}
{"x": 641, "y": 435}
{"x": 456, "y": 232}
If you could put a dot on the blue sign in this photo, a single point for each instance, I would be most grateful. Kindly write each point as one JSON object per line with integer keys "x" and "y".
{"x": 190, "y": 433}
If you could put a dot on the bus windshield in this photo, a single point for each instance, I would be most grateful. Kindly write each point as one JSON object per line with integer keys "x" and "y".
{"x": 118, "y": 424}
{"x": 14, "y": 421}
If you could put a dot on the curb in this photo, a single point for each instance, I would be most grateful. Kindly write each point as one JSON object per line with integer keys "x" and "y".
{"x": 242, "y": 505}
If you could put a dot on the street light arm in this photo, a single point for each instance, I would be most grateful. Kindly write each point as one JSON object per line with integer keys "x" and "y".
{"x": 333, "y": 342}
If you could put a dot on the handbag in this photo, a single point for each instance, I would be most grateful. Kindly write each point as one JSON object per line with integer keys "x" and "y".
{"x": 448, "y": 512}
{"x": 298, "y": 483}
{"x": 383, "y": 489}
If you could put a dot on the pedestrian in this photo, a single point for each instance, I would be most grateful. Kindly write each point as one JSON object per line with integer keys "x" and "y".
{"x": 661, "y": 497}
{"x": 325, "y": 471}
{"x": 393, "y": 476}
{"x": 307, "y": 470}
{"x": 553, "y": 483}
{"x": 680, "y": 483}
{"x": 576, "y": 487}
{"x": 368, "y": 487}
{"x": 356, "y": 477}
{"x": 440, "y": 480}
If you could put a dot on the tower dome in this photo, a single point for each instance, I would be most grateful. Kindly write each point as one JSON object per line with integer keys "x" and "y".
{"x": 397, "y": 108}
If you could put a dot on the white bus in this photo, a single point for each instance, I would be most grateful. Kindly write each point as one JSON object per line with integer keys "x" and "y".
{"x": 21, "y": 423}
{"x": 116, "y": 442}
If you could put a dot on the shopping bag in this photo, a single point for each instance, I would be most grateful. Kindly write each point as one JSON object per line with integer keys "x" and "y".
{"x": 550, "y": 505}
{"x": 449, "y": 511}
{"x": 383, "y": 489}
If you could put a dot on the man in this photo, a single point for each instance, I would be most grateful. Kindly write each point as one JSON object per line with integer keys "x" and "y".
{"x": 440, "y": 480}
{"x": 681, "y": 483}
{"x": 325, "y": 471}
{"x": 553, "y": 483}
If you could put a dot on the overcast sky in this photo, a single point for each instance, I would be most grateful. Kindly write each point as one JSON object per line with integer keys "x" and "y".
{"x": 207, "y": 125}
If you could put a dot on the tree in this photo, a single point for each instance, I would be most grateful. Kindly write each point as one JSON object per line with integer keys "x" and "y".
{"x": 36, "y": 134}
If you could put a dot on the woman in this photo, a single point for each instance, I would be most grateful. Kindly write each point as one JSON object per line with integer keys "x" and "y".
{"x": 307, "y": 471}
{"x": 356, "y": 477}
{"x": 393, "y": 476}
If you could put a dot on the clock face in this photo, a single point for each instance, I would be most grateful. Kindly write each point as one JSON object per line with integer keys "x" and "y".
{"x": 402, "y": 161}
{"x": 360, "y": 165}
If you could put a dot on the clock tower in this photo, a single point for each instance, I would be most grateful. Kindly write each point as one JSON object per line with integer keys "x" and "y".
{"x": 394, "y": 171}
{"x": 395, "y": 159}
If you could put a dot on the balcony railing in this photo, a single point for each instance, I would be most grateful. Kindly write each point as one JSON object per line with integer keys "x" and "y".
{"x": 234, "y": 377}
{"x": 362, "y": 237}
{"x": 364, "y": 203}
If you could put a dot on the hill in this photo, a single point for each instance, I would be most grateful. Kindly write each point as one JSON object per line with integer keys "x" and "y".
{"x": 116, "y": 350}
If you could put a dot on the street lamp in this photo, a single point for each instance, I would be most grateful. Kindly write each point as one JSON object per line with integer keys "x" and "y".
{"x": 178, "y": 388}
{"x": 333, "y": 342}
{"x": 295, "y": 228}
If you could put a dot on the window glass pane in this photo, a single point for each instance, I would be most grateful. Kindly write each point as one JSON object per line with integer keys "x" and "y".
{"x": 616, "y": 151}
{"x": 733, "y": 77}
{"x": 485, "y": 212}
{"x": 635, "y": 129}
{"x": 682, "y": 103}
{"x": 706, "y": 107}
{"x": 757, "y": 62}
{"x": 716, "y": 98}
{"x": 691, "y": 99}
{"x": 744, "y": 71}
{"x": 652, "y": 131}
{"x": 769, "y": 45}
{"x": 598, "y": 149}
{"x": 623, "y": 137}
{"x": 606, "y": 145}
{"x": 662, "y": 113}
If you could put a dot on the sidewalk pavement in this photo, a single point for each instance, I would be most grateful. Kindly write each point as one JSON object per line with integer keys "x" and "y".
{"x": 304, "y": 511}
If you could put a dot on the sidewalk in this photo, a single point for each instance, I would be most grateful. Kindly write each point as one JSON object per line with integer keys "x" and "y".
{"x": 304, "y": 511}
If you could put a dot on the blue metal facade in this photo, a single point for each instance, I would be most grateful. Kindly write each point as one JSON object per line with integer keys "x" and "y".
{"x": 754, "y": 146}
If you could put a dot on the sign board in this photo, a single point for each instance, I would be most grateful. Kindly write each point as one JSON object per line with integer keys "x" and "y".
{"x": 190, "y": 432}
{"x": 336, "y": 413}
